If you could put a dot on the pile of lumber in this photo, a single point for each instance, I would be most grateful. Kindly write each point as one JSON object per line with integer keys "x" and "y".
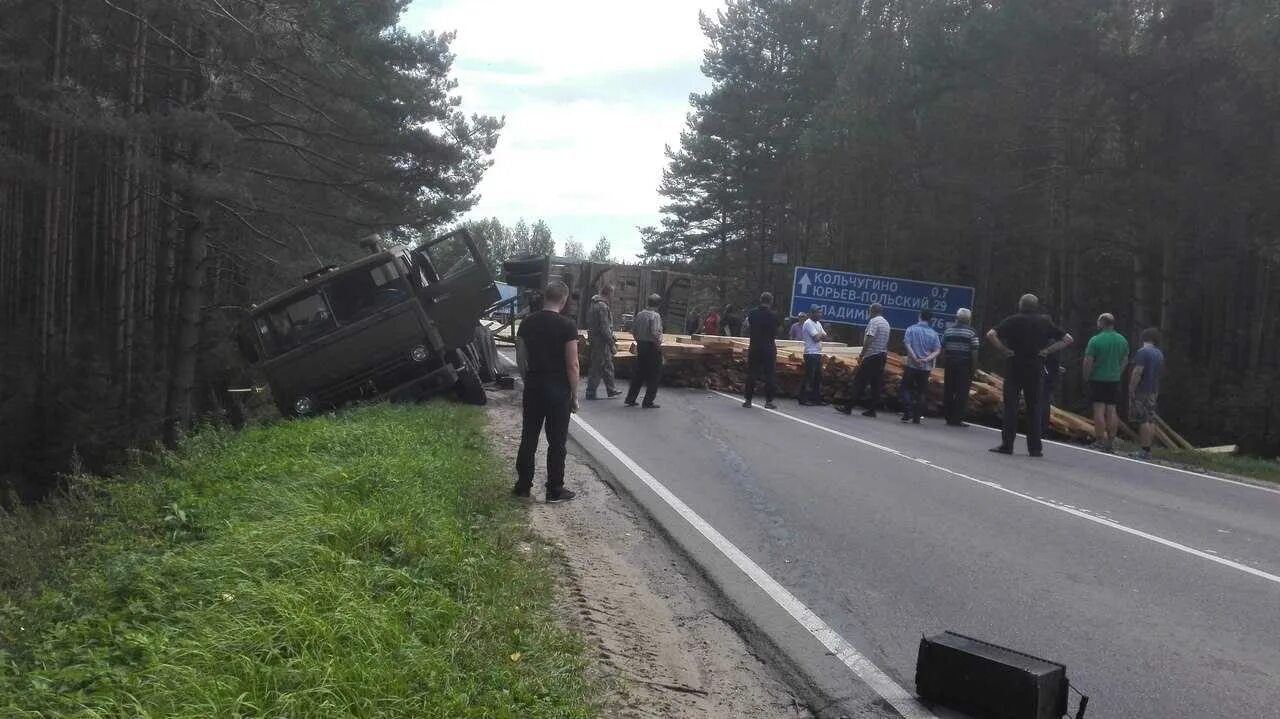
{"x": 720, "y": 363}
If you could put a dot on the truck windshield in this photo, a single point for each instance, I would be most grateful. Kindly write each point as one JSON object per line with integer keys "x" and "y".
{"x": 346, "y": 299}
{"x": 450, "y": 256}
{"x": 300, "y": 321}
{"x": 358, "y": 294}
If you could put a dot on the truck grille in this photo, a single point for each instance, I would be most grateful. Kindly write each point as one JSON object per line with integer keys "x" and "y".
{"x": 383, "y": 376}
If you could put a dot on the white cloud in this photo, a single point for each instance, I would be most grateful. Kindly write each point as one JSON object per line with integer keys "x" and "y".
{"x": 591, "y": 91}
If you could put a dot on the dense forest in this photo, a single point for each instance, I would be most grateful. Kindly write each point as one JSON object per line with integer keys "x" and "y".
{"x": 1110, "y": 155}
{"x": 164, "y": 163}
{"x": 500, "y": 243}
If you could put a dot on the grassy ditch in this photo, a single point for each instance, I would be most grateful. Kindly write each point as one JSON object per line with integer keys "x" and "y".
{"x": 1267, "y": 470}
{"x": 364, "y": 565}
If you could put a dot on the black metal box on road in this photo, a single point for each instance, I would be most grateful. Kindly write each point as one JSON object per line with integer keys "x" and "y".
{"x": 988, "y": 681}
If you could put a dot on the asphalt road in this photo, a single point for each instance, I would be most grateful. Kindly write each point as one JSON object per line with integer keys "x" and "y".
{"x": 1159, "y": 590}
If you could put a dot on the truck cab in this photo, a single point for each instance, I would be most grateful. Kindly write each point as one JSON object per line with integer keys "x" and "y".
{"x": 401, "y": 322}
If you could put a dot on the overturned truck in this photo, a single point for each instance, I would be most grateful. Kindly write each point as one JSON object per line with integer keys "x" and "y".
{"x": 403, "y": 322}
{"x": 683, "y": 294}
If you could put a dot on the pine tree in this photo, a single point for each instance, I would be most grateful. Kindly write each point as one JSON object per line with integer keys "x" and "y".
{"x": 601, "y": 251}
{"x": 574, "y": 250}
{"x": 540, "y": 241}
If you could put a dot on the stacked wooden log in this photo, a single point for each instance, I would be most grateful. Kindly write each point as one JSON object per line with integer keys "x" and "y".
{"x": 720, "y": 363}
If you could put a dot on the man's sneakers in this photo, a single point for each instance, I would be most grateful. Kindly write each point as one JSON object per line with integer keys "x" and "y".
{"x": 610, "y": 394}
{"x": 1001, "y": 450}
{"x": 1036, "y": 453}
{"x": 553, "y": 497}
{"x": 650, "y": 405}
{"x": 1103, "y": 447}
{"x": 630, "y": 403}
{"x": 770, "y": 405}
{"x": 870, "y": 413}
{"x": 844, "y": 409}
{"x": 747, "y": 404}
{"x": 560, "y": 495}
{"x": 1142, "y": 454}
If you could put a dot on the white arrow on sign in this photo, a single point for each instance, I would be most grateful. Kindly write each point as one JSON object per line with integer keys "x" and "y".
{"x": 804, "y": 284}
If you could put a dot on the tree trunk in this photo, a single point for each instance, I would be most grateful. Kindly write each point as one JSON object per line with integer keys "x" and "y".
{"x": 190, "y": 319}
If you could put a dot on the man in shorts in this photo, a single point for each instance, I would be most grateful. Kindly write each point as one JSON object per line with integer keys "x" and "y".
{"x": 1144, "y": 389}
{"x": 1104, "y": 360}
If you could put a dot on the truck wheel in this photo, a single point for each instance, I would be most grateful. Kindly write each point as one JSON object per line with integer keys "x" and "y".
{"x": 483, "y": 350}
{"x": 470, "y": 388}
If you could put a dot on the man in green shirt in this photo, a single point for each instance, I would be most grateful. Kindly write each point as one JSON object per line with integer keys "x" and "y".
{"x": 1104, "y": 360}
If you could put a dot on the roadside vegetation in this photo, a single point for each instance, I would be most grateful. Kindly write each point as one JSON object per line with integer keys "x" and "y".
{"x": 369, "y": 564}
{"x": 1267, "y": 470}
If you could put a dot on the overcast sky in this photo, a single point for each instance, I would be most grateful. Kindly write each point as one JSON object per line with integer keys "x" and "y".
{"x": 592, "y": 90}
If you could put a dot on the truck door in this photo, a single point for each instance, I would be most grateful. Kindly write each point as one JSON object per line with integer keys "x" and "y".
{"x": 459, "y": 286}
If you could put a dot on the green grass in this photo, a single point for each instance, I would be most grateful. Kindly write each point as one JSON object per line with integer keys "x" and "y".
{"x": 1267, "y": 470}
{"x": 367, "y": 565}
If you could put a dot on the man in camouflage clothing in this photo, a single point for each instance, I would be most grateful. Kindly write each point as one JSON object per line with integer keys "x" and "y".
{"x": 603, "y": 344}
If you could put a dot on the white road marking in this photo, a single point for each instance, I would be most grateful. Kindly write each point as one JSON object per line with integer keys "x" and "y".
{"x": 1123, "y": 458}
{"x": 1061, "y": 507}
{"x": 900, "y": 699}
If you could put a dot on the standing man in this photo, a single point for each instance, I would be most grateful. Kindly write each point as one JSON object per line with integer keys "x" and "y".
{"x": 960, "y": 356}
{"x": 603, "y": 344}
{"x": 762, "y": 354}
{"x": 1144, "y": 389}
{"x": 692, "y": 323}
{"x": 923, "y": 348}
{"x": 647, "y": 329}
{"x": 1104, "y": 359}
{"x": 875, "y": 350}
{"x": 1025, "y": 339}
{"x": 812, "y": 333}
{"x": 797, "y": 328}
{"x": 730, "y": 322}
{"x": 547, "y": 348}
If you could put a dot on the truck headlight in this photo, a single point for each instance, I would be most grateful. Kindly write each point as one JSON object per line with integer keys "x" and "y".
{"x": 419, "y": 354}
{"x": 303, "y": 406}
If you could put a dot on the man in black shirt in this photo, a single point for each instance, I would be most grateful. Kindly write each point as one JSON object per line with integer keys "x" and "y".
{"x": 547, "y": 347}
{"x": 762, "y": 354}
{"x": 1025, "y": 339}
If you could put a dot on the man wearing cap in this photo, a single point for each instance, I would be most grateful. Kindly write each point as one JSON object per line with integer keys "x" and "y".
{"x": 959, "y": 357}
{"x": 812, "y": 334}
{"x": 602, "y": 343}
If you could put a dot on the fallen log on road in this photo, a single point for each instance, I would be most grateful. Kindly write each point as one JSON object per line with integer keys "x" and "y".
{"x": 720, "y": 363}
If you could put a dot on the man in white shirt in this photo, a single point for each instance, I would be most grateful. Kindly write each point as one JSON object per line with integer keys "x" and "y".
{"x": 813, "y": 334}
{"x": 875, "y": 350}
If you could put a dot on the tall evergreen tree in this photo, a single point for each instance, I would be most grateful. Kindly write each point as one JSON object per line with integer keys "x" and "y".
{"x": 1109, "y": 156}
{"x": 161, "y": 159}
{"x": 574, "y": 249}
{"x": 601, "y": 252}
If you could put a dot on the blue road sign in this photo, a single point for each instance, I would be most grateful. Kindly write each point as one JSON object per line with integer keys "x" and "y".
{"x": 845, "y": 296}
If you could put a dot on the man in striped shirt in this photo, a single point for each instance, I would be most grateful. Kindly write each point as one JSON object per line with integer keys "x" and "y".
{"x": 959, "y": 357}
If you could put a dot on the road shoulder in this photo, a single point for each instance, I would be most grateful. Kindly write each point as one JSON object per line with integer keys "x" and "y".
{"x": 658, "y": 637}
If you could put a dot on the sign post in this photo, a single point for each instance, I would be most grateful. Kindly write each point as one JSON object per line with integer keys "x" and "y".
{"x": 846, "y": 296}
